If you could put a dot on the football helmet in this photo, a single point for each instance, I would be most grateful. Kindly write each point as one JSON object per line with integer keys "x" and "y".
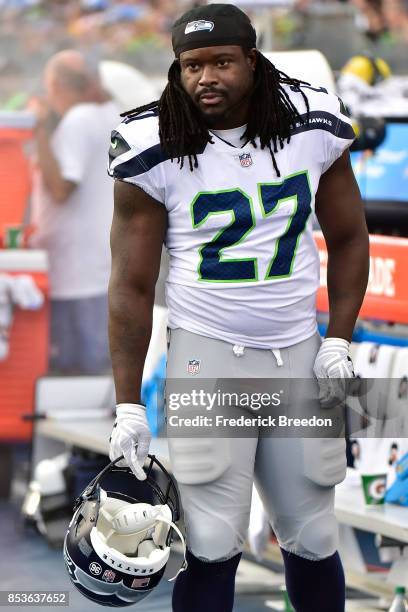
{"x": 370, "y": 70}
{"x": 116, "y": 547}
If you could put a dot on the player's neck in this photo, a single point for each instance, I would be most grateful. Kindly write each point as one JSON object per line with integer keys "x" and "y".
{"x": 227, "y": 125}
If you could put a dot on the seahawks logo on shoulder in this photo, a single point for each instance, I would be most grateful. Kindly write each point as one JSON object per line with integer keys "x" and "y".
{"x": 197, "y": 26}
{"x": 118, "y": 146}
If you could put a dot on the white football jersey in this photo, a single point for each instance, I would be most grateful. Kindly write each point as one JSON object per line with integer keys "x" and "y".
{"x": 244, "y": 266}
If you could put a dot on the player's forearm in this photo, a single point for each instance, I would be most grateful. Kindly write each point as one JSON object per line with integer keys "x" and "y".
{"x": 347, "y": 276}
{"x": 130, "y": 326}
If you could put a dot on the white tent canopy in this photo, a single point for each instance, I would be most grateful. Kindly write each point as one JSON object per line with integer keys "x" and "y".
{"x": 310, "y": 66}
{"x": 128, "y": 86}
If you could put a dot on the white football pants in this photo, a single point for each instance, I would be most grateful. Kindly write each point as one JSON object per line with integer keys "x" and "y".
{"x": 295, "y": 477}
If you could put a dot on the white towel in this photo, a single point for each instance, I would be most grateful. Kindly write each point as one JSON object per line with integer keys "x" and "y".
{"x": 25, "y": 293}
{"x": 21, "y": 291}
{"x": 6, "y": 314}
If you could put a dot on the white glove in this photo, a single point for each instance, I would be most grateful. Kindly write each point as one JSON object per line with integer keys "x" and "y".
{"x": 332, "y": 365}
{"x": 131, "y": 438}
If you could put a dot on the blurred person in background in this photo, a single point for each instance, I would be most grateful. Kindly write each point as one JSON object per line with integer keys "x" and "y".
{"x": 72, "y": 209}
{"x": 384, "y": 16}
{"x": 373, "y": 12}
{"x": 376, "y": 17}
{"x": 361, "y": 80}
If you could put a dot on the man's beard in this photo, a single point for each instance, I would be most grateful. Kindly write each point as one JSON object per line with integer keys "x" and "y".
{"x": 213, "y": 118}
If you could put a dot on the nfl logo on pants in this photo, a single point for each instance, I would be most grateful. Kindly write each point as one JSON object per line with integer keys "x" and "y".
{"x": 193, "y": 366}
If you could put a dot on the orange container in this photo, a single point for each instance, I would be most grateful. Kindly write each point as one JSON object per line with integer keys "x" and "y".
{"x": 15, "y": 182}
{"x": 14, "y": 177}
{"x": 28, "y": 348}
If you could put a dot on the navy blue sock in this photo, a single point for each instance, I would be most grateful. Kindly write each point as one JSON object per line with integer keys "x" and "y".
{"x": 315, "y": 586}
{"x": 205, "y": 586}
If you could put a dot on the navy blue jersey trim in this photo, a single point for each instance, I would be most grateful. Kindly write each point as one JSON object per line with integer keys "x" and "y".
{"x": 321, "y": 120}
{"x": 141, "y": 163}
{"x": 154, "y": 112}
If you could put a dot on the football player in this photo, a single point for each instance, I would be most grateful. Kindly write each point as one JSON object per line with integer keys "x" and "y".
{"x": 228, "y": 169}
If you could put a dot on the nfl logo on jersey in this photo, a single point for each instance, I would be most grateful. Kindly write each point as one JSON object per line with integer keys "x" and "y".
{"x": 245, "y": 160}
{"x": 193, "y": 366}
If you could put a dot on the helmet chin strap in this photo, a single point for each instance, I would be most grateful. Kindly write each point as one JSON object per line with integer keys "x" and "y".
{"x": 177, "y": 530}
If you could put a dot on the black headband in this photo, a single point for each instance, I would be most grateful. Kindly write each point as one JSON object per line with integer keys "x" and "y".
{"x": 211, "y": 26}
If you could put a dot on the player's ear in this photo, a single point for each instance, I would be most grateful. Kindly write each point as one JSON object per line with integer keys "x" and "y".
{"x": 252, "y": 56}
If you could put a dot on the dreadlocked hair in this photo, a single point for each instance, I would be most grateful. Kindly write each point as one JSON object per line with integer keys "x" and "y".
{"x": 183, "y": 132}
